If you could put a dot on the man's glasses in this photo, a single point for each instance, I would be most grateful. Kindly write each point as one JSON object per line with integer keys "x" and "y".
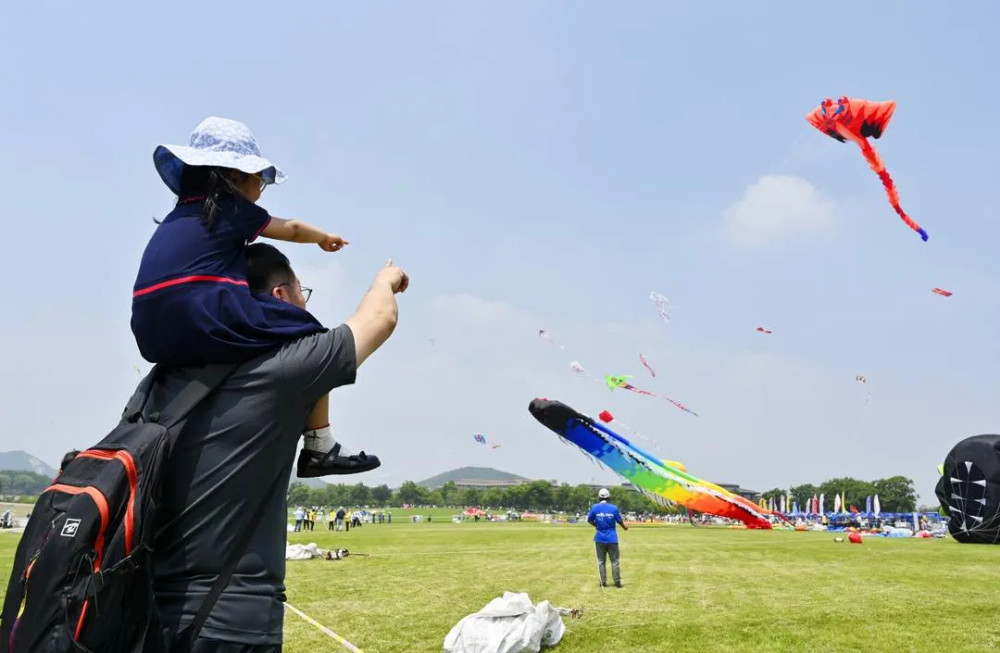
{"x": 260, "y": 179}
{"x": 306, "y": 292}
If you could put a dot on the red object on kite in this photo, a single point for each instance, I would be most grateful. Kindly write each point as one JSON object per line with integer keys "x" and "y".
{"x": 942, "y": 292}
{"x": 605, "y": 416}
{"x": 851, "y": 119}
{"x": 763, "y": 330}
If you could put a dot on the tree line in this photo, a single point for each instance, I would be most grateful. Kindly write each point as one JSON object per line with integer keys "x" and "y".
{"x": 538, "y": 496}
{"x": 17, "y": 482}
{"x": 895, "y": 494}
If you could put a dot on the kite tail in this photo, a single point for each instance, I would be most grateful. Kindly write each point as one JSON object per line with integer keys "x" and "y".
{"x": 875, "y": 161}
{"x": 629, "y": 386}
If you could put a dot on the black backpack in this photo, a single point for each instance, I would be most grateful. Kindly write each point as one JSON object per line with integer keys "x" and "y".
{"x": 82, "y": 578}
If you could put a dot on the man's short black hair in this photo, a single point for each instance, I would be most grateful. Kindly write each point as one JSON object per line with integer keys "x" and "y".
{"x": 68, "y": 458}
{"x": 267, "y": 268}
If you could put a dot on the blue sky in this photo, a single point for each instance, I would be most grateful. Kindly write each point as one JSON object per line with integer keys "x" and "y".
{"x": 544, "y": 165}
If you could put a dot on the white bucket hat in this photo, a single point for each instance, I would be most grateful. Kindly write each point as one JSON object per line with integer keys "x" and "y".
{"x": 218, "y": 142}
{"x": 604, "y": 494}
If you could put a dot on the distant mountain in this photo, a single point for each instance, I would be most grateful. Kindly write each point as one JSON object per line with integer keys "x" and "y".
{"x": 471, "y": 474}
{"x": 312, "y": 483}
{"x": 23, "y": 461}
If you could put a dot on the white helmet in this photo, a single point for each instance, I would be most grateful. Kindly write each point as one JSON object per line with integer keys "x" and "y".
{"x": 603, "y": 493}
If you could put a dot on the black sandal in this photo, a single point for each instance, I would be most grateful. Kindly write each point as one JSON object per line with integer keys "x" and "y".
{"x": 313, "y": 464}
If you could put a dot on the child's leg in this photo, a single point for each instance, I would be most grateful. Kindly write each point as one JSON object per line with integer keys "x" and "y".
{"x": 321, "y": 453}
{"x": 318, "y": 436}
{"x": 320, "y": 415}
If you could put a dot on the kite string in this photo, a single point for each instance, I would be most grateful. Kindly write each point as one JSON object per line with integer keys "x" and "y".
{"x": 324, "y": 629}
{"x": 796, "y": 146}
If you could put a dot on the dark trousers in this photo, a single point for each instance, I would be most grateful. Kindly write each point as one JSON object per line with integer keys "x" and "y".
{"x": 605, "y": 550}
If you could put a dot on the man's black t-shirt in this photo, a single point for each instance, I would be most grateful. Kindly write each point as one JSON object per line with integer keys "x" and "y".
{"x": 226, "y": 456}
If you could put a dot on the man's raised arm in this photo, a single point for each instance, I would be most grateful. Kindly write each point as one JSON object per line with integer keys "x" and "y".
{"x": 376, "y": 317}
{"x": 315, "y": 365}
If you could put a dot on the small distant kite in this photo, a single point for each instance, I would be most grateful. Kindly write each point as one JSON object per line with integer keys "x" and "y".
{"x": 617, "y": 381}
{"x": 863, "y": 380}
{"x": 645, "y": 363}
{"x": 544, "y": 335}
{"x": 763, "y": 330}
{"x": 851, "y": 119}
{"x": 614, "y": 382}
{"x": 942, "y": 292}
{"x": 576, "y": 367}
{"x": 662, "y": 305}
{"x": 481, "y": 439}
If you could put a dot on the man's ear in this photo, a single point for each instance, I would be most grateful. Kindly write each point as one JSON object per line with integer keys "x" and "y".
{"x": 279, "y": 293}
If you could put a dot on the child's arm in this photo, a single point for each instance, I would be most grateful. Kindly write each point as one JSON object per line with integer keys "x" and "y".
{"x": 296, "y": 231}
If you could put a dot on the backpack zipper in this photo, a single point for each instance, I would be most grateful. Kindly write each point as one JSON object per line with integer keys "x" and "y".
{"x": 125, "y": 458}
{"x": 24, "y": 580}
{"x": 102, "y": 507}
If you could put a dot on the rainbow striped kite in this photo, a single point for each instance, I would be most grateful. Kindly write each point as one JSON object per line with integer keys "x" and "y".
{"x": 663, "y": 481}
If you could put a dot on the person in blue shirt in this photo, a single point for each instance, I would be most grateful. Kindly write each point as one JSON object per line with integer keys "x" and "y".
{"x": 604, "y": 516}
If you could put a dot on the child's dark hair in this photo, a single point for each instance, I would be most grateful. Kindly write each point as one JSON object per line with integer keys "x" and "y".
{"x": 266, "y": 268}
{"x": 209, "y": 182}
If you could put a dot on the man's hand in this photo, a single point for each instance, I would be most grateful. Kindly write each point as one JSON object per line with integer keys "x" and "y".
{"x": 375, "y": 319}
{"x": 393, "y": 275}
{"x": 332, "y": 243}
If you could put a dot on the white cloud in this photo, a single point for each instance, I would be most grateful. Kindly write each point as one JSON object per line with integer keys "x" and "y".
{"x": 775, "y": 208}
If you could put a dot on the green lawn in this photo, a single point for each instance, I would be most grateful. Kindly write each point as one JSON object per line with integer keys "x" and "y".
{"x": 686, "y": 589}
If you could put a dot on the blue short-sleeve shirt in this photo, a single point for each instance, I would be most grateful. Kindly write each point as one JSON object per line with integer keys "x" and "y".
{"x": 604, "y": 516}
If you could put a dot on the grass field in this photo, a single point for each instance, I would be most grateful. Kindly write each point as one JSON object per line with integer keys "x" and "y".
{"x": 686, "y": 589}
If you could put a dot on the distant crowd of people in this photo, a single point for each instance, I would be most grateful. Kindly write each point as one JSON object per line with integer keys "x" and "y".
{"x": 339, "y": 519}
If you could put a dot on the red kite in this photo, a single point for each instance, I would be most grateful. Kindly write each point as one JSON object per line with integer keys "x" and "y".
{"x": 856, "y": 120}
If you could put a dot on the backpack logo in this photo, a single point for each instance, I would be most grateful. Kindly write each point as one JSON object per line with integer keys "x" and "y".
{"x": 70, "y": 527}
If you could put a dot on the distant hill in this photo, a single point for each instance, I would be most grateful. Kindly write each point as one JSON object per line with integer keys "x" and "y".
{"x": 471, "y": 474}
{"x": 312, "y": 483}
{"x": 23, "y": 461}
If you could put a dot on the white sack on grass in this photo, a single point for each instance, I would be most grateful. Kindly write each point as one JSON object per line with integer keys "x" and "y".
{"x": 302, "y": 551}
{"x": 508, "y": 624}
